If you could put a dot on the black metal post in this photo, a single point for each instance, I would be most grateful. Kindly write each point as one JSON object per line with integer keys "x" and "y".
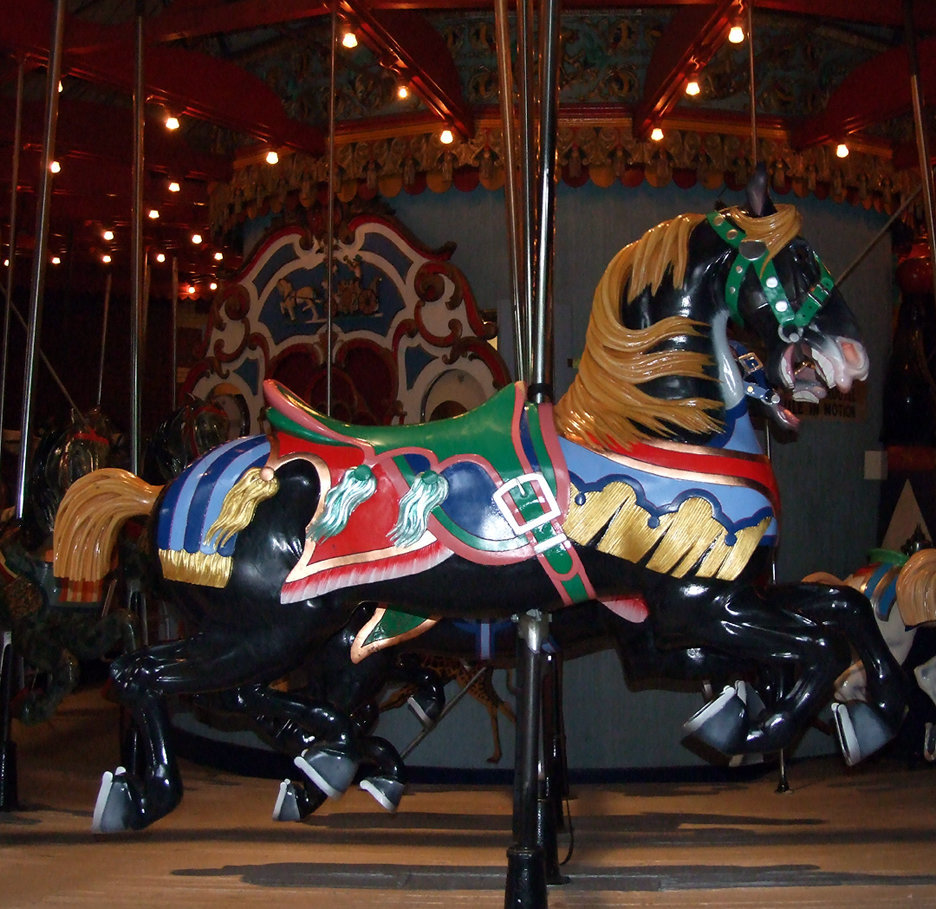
{"x": 526, "y": 866}
{"x": 8, "y": 779}
{"x": 554, "y": 785}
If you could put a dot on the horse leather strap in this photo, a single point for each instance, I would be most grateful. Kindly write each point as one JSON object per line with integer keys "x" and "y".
{"x": 788, "y": 319}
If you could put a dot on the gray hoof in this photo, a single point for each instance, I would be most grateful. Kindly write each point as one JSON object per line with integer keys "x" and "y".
{"x": 721, "y": 723}
{"x": 331, "y": 771}
{"x": 287, "y": 803}
{"x": 388, "y": 792}
{"x": 114, "y": 809}
{"x": 861, "y": 731}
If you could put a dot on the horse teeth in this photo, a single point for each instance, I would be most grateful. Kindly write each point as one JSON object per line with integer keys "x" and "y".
{"x": 786, "y": 368}
{"x": 826, "y": 368}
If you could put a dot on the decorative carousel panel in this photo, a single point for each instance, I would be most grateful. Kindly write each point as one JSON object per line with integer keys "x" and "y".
{"x": 409, "y": 342}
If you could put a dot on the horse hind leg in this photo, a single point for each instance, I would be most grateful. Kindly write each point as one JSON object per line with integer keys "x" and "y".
{"x": 210, "y": 661}
{"x": 321, "y": 737}
{"x": 131, "y": 801}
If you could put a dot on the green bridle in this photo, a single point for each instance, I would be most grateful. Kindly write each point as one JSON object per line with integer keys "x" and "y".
{"x": 753, "y": 254}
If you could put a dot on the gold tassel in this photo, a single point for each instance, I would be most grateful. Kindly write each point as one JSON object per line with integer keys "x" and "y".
{"x": 240, "y": 504}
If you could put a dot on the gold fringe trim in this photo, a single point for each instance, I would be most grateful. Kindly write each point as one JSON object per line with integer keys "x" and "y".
{"x": 87, "y": 524}
{"x": 206, "y": 569}
{"x": 240, "y": 504}
{"x": 916, "y": 588}
{"x": 689, "y": 540}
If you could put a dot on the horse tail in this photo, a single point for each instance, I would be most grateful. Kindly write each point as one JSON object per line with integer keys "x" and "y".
{"x": 92, "y": 513}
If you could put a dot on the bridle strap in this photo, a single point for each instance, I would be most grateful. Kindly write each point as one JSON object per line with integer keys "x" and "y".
{"x": 753, "y": 254}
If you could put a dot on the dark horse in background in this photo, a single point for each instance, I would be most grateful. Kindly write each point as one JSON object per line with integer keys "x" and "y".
{"x": 645, "y": 479}
{"x": 53, "y": 637}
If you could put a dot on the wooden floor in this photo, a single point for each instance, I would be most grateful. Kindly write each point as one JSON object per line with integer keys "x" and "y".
{"x": 861, "y": 838}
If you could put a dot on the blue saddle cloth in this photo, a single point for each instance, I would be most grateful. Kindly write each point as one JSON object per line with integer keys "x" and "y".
{"x": 194, "y": 499}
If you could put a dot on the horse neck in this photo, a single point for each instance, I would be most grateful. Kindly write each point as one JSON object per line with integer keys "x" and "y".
{"x": 739, "y": 434}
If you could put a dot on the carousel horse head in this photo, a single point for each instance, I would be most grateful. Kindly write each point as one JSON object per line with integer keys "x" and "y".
{"x": 88, "y": 442}
{"x": 657, "y": 361}
{"x": 188, "y": 432}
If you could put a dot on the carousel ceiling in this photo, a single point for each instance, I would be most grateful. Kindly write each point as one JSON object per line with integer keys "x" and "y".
{"x": 248, "y": 76}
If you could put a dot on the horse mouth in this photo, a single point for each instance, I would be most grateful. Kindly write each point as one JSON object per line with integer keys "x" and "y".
{"x": 809, "y": 368}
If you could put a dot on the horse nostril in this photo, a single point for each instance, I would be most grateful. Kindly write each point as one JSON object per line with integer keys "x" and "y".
{"x": 853, "y": 356}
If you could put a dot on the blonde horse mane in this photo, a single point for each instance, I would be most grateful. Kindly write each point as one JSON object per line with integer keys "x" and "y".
{"x": 604, "y": 406}
{"x": 916, "y": 588}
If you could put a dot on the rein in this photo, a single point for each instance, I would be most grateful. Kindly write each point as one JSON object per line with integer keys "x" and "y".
{"x": 751, "y": 253}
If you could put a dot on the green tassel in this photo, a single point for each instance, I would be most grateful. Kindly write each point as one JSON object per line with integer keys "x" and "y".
{"x": 357, "y": 485}
{"x": 428, "y": 490}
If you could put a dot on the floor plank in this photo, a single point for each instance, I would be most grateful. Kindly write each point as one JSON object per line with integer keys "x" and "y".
{"x": 858, "y": 838}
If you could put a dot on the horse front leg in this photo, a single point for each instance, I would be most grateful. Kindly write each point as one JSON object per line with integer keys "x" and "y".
{"x": 742, "y": 623}
{"x": 863, "y": 726}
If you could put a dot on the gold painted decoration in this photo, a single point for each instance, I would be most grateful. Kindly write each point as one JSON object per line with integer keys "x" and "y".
{"x": 210, "y": 569}
{"x": 240, "y": 504}
{"x": 687, "y": 540}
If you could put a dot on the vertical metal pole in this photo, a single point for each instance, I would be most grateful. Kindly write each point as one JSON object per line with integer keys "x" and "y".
{"x": 174, "y": 296}
{"x": 37, "y": 287}
{"x": 526, "y": 864}
{"x": 926, "y": 169}
{"x": 753, "y": 94}
{"x": 541, "y": 388}
{"x": 136, "y": 220}
{"x": 515, "y": 235}
{"x": 104, "y": 321}
{"x": 527, "y": 93}
{"x": 9, "y": 800}
{"x": 11, "y": 270}
{"x": 330, "y": 226}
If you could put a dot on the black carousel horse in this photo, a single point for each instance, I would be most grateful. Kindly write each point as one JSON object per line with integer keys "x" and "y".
{"x": 645, "y": 478}
{"x": 51, "y": 636}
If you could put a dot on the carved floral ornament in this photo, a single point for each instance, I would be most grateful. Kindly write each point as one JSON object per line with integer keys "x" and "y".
{"x": 603, "y": 155}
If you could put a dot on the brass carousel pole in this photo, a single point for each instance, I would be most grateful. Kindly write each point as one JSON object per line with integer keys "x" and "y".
{"x": 136, "y": 220}
{"x": 37, "y": 286}
{"x": 330, "y": 219}
{"x": 11, "y": 268}
{"x": 174, "y": 296}
{"x": 8, "y": 777}
{"x": 103, "y": 358}
{"x": 526, "y": 858}
{"x": 919, "y": 107}
{"x": 515, "y": 231}
{"x": 527, "y": 143}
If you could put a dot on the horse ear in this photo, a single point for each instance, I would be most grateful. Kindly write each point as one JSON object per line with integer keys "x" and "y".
{"x": 759, "y": 201}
